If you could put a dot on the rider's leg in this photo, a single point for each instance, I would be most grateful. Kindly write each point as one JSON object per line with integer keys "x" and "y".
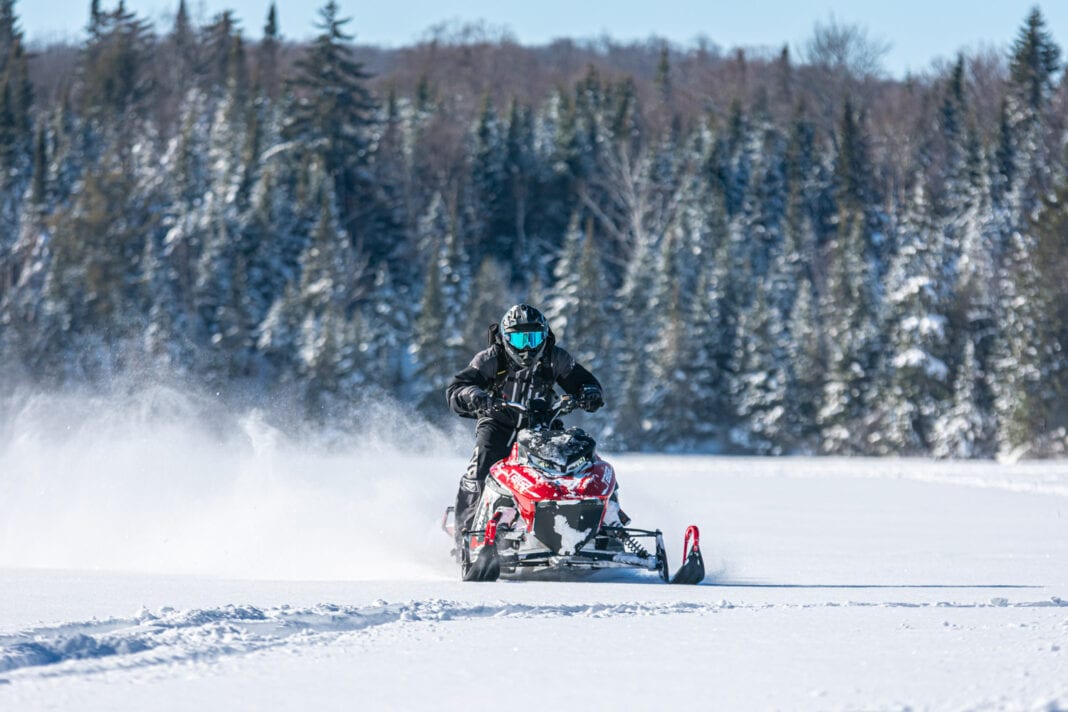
{"x": 492, "y": 442}
{"x": 613, "y": 515}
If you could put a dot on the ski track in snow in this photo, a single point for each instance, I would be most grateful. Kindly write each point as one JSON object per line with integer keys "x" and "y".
{"x": 173, "y": 636}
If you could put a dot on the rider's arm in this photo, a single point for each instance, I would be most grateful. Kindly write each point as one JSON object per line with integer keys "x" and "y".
{"x": 475, "y": 380}
{"x": 570, "y": 374}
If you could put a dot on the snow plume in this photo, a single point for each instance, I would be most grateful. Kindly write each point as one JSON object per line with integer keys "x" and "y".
{"x": 158, "y": 480}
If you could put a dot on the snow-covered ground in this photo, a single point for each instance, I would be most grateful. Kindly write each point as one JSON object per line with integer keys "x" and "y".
{"x": 146, "y": 565}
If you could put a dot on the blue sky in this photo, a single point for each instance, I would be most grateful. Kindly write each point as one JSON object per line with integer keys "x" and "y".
{"x": 918, "y": 31}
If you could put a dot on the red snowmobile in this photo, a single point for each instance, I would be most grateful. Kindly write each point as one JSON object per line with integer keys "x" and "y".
{"x": 545, "y": 506}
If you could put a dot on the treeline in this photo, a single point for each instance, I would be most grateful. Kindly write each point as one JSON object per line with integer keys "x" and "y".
{"x": 752, "y": 251}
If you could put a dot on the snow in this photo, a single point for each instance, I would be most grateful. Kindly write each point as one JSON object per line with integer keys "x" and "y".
{"x": 914, "y": 358}
{"x": 162, "y": 566}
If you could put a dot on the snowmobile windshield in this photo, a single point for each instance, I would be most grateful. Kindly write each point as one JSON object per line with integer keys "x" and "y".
{"x": 523, "y": 340}
{"x": 557, "y": 452}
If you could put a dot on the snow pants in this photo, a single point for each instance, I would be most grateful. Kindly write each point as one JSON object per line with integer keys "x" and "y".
{"x": 492, "y": 442}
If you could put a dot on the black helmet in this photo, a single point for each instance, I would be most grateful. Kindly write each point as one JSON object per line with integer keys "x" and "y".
{"x": 524, "y": 332}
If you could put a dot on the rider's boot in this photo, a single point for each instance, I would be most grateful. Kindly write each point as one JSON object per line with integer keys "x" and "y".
{"x": 466, "y": 500}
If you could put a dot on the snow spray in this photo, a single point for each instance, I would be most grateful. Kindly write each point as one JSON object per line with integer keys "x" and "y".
{"x": 159, "y": 480}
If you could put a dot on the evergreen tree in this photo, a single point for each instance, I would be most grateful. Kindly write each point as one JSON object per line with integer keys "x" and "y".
{"x": 1051, "y": 252}
{"x": 311, "y": 329}
{"x": 116, "y": 82}
{"x": 392, "y": 171}
{"x": 805, "y": 384}
{"x": 332, "y": 118}
{"x": 918, "y": 377}
{"x": 16, "y": 96}
{"x": 491, "y": 225}
{"x": 1033, "y": 67}
{"x": 267, "y": 70}
{"x": 975, "y": 299}
{"x": 965, "y": 429}
{"x": 760, "y": 383}
{"x": 667, "y": 395}
{"x": 39, "y": 184}
{"x": 1034, "y": 64}
{"x": 709, "y": 405}
{"x": 853, "y": 344}
{"x": 215, "y": 50}
{"x": 385, "y": 330}
{"x": 1021, "y": 351}
{"x": 94, "y": 275}
{"x": 439, "y": 345}
{"x": 184, "y": 47}
{"x": 520, "y": 162}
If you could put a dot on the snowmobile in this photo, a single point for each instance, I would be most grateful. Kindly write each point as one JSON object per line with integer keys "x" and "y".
{"x": 544, "y": 506}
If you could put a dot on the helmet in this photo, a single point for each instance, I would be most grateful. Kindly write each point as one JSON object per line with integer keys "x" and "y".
{"x": 524, "y": 332}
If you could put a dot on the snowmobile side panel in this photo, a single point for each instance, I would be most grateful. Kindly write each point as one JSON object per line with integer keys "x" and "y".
{"x": 566, "y": 526}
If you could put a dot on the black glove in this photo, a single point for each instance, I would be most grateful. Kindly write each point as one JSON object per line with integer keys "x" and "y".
{"x": 483, "y": 403}
{"x": 590, "y": 398}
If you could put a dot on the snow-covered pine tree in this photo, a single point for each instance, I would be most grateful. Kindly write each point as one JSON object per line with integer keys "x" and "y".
{"x": 1025, "y": 347}
{"x": 956, "y": 174}
{"x": 965, "y": 430}
{"x": 917, "y": 378}
{"x": 520, "y": 166}
{"x": 1019, "y": 378}
{"x": 852, "y": 340}
{"x": 760, "y": 378}
{"x": 386, "y": 326}
{"x": 849, "y": 300}
{"x": 332, "y": 117}
{"x": 393, "y": 181}
{"x": 492, "y": 228}
{"x": 636, "y": 338}
{"x": 267, "y": 67}
{"x": 329, "y": 280}
{"x": 438, "y": 344}
{"x": 1051, "y": 251}
{"x": 567, "y": 285}
{"x": 806, "y": 364}
{"x": 16, "y": 140}
{"x": 668, "y": 394}
{"x": 975, "y": 298}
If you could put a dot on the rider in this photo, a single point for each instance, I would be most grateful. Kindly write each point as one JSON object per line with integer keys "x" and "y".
{"x": 522, "y": 364}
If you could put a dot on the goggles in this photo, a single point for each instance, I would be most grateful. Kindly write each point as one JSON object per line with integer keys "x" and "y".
{"x": 523, "y": 340}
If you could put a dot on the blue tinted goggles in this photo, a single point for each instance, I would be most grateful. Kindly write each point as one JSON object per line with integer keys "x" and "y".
{"x": 523, "y": 340}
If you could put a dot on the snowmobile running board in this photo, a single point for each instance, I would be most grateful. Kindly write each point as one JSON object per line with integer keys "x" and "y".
{"x": 489, "y": 563}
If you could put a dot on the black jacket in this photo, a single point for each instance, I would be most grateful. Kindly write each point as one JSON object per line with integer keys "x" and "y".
{"x": 493, "y": 372}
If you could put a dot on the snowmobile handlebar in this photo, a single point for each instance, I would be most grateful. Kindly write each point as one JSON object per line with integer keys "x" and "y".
{"x": 537, "y": 414}
{"x": 561, "y": 406}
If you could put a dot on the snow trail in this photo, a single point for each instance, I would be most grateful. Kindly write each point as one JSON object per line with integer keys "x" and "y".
{"x": 171, "y": 636}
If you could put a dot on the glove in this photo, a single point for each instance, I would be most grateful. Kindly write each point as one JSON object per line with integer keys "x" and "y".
{"x": 590, "y": 399}
{"x": 483, "y": 403}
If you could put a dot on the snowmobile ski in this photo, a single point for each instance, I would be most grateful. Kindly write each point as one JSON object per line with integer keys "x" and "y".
{"x": 693, "y": 564}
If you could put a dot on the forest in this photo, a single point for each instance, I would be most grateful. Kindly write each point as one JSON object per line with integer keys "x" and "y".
{"x": 755, "y": 251}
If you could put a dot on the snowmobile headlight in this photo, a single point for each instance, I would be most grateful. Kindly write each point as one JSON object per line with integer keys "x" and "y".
{"x": 556, "y": 469}
{"x": 546, "y": 466}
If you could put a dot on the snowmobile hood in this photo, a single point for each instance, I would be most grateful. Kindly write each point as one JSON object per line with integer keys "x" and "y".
{"x": 559, "y": 452}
